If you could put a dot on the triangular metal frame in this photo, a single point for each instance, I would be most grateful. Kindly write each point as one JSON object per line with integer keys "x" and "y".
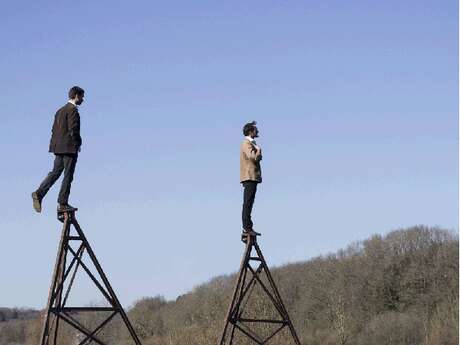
{"x": 56, "y": 309}
{"x": 234, "y": 320}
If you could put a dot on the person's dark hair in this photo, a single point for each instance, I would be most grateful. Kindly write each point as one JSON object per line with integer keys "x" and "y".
{"x": 249, "y": 127}
{"x": 74, "y": 91}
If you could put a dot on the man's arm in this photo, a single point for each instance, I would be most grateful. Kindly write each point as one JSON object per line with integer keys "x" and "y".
{"x": 74, "y": 126}
{"x": 251, "y": 152}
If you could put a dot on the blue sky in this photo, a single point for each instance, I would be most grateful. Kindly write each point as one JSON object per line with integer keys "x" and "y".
{"x": 357, "y": 105}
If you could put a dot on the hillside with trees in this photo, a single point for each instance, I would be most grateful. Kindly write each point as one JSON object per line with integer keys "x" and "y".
{"x": 401, "y": 288}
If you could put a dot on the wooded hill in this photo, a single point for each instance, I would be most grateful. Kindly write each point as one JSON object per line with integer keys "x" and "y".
{"x": 401, "y": 288}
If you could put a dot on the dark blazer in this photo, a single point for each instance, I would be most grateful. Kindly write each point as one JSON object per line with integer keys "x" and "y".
{"x": 65, "y": 137}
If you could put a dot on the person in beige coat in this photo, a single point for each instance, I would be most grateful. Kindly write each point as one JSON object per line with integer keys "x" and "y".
{"x": 250, "y": 172}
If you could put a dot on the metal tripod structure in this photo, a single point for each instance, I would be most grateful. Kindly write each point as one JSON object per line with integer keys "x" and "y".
{"x": 247, "y": 278}
{"x": 56, "y": 309}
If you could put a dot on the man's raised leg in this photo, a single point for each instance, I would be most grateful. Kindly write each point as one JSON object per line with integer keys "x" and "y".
{"x": 48, "y": 182}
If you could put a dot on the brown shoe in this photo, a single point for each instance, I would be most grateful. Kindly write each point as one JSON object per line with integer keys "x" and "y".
{"x": 66, "y": 208}
{"x": 37, "y": 202}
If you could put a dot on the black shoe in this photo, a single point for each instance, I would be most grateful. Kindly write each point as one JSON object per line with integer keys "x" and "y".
{"x": 66, "y": 208}
{"x": 37, "y": 202}
{"x": 251, "y": 232}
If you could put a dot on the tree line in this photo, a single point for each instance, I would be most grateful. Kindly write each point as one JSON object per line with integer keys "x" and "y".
{"x": 397, "y": 289}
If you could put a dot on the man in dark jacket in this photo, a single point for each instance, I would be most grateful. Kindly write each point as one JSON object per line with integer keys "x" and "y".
{"x": 65, "y": 144}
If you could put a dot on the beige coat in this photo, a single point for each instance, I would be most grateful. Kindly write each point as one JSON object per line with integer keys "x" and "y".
{"x": 250, "y": 162}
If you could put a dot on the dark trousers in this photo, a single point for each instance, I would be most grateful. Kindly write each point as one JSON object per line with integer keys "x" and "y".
{"x": 249, "y": 194}
{"x": 62, "y": 162}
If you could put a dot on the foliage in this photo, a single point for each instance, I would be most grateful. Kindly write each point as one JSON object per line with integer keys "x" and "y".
{"x": 397, "y": 289}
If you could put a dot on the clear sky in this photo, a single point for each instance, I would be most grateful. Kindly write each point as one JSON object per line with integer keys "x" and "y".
{"x": 357, "y": 105}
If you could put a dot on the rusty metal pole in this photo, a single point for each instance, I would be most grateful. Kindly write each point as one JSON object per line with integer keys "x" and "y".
{"x": 58, "y": 264}
{"x": 241, "y": 273}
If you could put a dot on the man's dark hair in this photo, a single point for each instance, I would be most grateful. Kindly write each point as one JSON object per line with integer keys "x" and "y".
{"x": 74, "y": 91}
{"x": 249, "y": 127}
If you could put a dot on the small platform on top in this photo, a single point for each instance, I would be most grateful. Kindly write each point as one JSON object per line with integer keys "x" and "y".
{"x": 252, "y": 235}
{"x": 62, "y": 214}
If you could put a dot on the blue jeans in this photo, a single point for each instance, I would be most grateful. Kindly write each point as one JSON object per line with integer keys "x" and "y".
{"x": 62, "y": 162}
